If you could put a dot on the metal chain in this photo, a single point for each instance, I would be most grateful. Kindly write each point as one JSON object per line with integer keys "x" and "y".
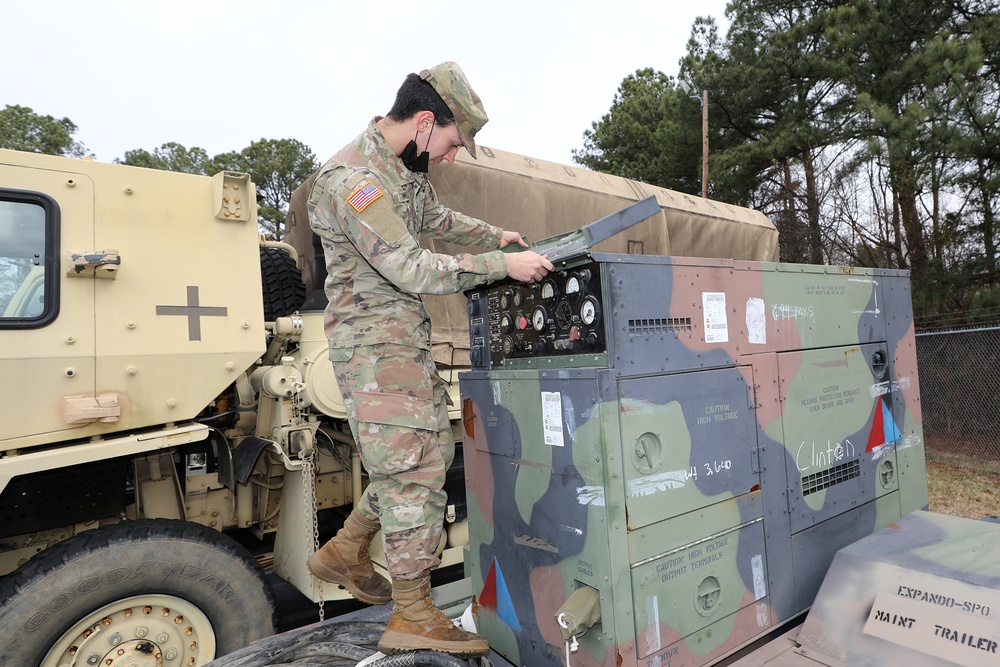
{"x": 311, "y": 509}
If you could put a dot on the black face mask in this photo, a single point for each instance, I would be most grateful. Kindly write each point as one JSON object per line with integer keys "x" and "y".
{"x": 418, "y": 163}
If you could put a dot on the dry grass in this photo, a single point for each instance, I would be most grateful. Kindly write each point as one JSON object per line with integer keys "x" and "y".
{"x": 961, "y": 491}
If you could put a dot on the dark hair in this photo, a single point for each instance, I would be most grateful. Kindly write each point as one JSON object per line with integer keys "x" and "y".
{"x": 416, "y": 95}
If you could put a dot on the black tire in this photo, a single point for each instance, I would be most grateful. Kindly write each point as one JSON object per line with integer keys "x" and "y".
{"x": 146, "y": 587}
{"x": 284, "y": 291}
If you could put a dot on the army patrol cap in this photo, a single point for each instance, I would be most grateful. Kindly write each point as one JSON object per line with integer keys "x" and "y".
{"x": 449, "y": 81}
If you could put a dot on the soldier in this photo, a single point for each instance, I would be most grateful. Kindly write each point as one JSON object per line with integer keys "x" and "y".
{"x": 369, "y": 204}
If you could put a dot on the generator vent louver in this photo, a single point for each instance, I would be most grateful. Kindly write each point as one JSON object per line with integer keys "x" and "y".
{"x": 827, "y": 478}
{"x": 659, "y": 325}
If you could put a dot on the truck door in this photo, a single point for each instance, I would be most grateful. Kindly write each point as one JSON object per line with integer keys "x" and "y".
{"x": 46, "y": 315}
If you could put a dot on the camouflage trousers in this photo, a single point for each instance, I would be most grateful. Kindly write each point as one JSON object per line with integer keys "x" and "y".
{"x": 397, "y": 405}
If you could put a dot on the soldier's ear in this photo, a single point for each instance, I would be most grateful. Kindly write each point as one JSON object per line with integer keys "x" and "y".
{"x": 425, "y": 120}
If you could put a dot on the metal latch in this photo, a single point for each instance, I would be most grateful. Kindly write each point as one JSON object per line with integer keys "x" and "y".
{"x": 95, "y": 264}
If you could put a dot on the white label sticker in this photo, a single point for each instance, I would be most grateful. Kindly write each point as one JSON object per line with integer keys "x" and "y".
{"x": 759, "y": 583}
{"x": 652, "y": 631}
{"x": 756, "y": 321}
{"x": 552, "y": 424}
{"x": 763, "y": 620}
{"x": 716, "y": 325}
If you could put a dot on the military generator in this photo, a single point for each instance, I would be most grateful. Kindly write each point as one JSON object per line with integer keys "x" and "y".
{"x": 664, "y": 454}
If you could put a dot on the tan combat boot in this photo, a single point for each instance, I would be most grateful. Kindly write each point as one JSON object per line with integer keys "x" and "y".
{"x": 417, "y": 625}
{"x": 344, "y": 560}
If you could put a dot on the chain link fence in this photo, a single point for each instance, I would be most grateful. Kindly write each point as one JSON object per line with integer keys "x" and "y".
{"x": 960, "y": 396}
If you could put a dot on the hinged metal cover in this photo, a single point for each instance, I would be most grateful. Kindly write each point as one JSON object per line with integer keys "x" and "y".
{"x": 95, "y": 264}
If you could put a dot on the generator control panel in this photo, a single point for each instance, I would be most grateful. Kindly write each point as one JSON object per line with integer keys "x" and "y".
{"x": 561, "y": 315}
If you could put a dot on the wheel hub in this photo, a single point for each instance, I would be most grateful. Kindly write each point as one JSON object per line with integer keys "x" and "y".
{"x": 136, "y": 653}
{"x": 145, "y": 631}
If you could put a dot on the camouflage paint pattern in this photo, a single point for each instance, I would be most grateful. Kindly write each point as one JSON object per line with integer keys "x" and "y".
{"x": 698, "y": 461}
{"x": 398, "y": 412}
{"x": 369, "y": 210}
{"x": 376, "y": 269}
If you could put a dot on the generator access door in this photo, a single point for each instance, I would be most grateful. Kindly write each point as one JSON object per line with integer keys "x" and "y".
{"x": 836, "y": 391}
{"x": 693, "y": 502}
{"x": 690, "y": 441}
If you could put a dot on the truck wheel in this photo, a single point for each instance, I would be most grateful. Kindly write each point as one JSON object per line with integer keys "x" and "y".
{"x": 284, "y": 291}
{"x": 139, "y": 593}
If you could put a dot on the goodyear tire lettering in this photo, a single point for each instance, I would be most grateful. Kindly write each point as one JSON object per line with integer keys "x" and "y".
{"x": 63, "y": 585}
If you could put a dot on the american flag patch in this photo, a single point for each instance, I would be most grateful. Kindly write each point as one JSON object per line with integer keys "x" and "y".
{"x": 363, "y": 196}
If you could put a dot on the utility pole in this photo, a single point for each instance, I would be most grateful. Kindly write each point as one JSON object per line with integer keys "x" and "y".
{"x": 704, "y": 144}
{"x": 704, "y": 133}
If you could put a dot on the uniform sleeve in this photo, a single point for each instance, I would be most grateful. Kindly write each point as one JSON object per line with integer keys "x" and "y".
{"x": 443, "y": 223}
{"x": 364, "y": 208}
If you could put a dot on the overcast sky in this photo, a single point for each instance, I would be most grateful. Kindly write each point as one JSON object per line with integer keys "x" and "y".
{"x": 218, "y": 75}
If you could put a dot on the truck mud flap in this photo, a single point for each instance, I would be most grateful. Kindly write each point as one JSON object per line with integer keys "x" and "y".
{"x": 242, "y": 461}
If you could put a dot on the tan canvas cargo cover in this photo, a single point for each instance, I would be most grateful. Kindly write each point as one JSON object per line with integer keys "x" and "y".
{"x": 541, "y": 199}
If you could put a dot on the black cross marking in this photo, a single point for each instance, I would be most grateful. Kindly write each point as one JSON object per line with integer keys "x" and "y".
{"x": 193, "y": 312}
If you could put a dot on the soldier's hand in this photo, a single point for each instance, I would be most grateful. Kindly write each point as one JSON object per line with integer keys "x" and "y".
{"x": 512, "y": 237}
{"x": 527, "y": 266}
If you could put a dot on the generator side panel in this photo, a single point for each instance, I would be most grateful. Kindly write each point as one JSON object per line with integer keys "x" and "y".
{"x": 827, "y": 353}
{"x": 541, "y": 512}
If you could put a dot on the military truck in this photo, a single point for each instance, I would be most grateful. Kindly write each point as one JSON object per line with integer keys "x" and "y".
{"x": 170, "y": 427}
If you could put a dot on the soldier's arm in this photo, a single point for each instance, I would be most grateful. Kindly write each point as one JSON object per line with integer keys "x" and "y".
{"x": 383, "y": 239}
{"x": 523, "y": 266}
{"x": 442, "y": 223}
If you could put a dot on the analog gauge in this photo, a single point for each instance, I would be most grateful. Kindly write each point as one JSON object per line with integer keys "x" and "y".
{"x": 505, "y": 299}
{"x": 589, "y": 311}
{"x": 505, "y": 323}
{"x": 564, "y": 315}
{"x": 548, "y": 290}
{"x": 508, "y": 345}
{"x": 518, "y": 298}
{"x": 572, "y": 287}
{"x": 538, "y": 318}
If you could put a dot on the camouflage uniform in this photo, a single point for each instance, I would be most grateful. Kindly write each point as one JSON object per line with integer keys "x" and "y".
{"x": 369, "y": 210}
